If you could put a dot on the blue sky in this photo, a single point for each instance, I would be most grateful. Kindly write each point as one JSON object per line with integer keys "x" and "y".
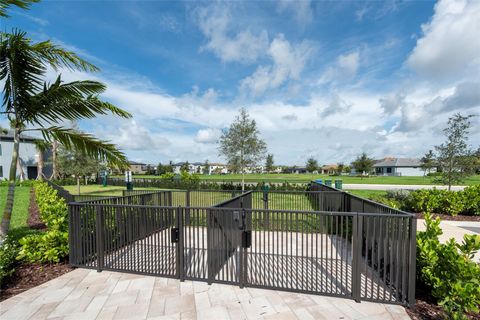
{"x": 324, "y": 79}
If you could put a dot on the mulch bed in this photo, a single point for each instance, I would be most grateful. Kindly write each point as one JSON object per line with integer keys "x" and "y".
{"x": 451, "y": 218}
{"x": 30, "y": 275}
{"x": 427, "y": 308}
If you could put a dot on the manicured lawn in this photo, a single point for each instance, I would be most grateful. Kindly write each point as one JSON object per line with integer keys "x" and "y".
{"x": 20, "y": 205}
{"x": 302, "y": 178}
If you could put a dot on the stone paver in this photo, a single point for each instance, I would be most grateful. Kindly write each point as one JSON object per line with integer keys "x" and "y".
{"x": 86, "y": 294}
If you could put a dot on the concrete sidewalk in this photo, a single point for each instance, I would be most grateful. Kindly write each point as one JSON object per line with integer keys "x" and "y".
{"x": 455, "y": 229}
{"x": 86, "y": 294}
{"x": 385, "y": 187}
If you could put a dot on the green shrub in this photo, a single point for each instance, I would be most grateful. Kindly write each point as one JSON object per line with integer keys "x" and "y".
{"x": 472, "y": 200}
{"x": 448, "y": 269}
{"x": 8, "y": 253}
{"x": 466, "y": 202}
{"x": 51, "y": 245}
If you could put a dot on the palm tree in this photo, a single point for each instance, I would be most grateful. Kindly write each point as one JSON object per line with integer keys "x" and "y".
{"x": 5, "y": 4}
{"x": 42, "y": 146}
{"x": 31, "y": 104}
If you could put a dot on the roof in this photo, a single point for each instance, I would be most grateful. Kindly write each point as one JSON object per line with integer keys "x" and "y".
{"x": 9, "y": 137}
{"x": 136, "y": 163}
{"x": 398, "y": 162}
{"x": 329, "y": 166}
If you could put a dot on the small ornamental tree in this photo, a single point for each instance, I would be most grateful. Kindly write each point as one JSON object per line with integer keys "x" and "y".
{"x": 454, "y": 156}
{"x": 427, "y": 163}
{"x": 269, "y": 163}
{"x": 363, "y": 164}
{"x": 241, "y": 145}
{"x": 206, "y": 167}
{"x": 312, "y": 165}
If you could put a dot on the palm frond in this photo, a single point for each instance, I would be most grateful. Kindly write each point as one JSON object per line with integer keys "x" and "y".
{"x": 87, "y": 144}
{"x": 5, "y": 4}
{"x": 72, "y": 101}
{"x": 58, "y": 57}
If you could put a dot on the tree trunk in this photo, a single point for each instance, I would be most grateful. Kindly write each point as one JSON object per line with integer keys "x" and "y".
{"x": 78, "y": 185}
{"x": 243, "y": 180}
{"x": 7, "y": 212}
{"x": 54, "y": 160}
{"x": 40, "y": 166}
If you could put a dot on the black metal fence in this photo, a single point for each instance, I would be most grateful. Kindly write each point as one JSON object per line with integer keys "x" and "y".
{"x": 320, "y": 241}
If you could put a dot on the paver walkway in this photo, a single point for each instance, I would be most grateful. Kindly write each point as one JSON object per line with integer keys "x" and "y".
{"x": 87, "y": 294}
{"x": 455, "y": 229}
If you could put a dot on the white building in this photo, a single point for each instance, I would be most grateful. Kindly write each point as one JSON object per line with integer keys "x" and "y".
{"x": 399, "y": 167}
{"x": 28, "y": 156}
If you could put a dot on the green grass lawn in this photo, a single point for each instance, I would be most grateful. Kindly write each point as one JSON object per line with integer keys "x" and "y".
{"x": 302, "y": 178}
{"x": 20, "y": 205}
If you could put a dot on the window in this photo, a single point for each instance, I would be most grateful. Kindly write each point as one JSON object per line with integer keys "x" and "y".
{"x": 0, "y": 149}
{"x": 1, "y": 172}
{"x": 389, "y": 170}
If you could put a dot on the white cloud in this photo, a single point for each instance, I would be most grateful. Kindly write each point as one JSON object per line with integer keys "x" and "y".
{"x": 243, "y": 46}
{"x": 288, "y": 61}
{"x": 208, "y": 135}
{"x": 450, "y": 43}
{"x": 344, "y": 68}
{"x": 301, "y": 10}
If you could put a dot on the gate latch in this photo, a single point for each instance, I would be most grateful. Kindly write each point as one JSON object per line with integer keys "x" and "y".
{"x": 246, "y": 239}
{"x": 175, "y": 234}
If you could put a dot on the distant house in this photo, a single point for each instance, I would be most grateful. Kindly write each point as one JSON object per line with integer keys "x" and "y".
{"x": 28, "y": 156}
{"x": 398, "y": 167}
{"x": 296, "y": 170}
{"x": 137, "y": 167}
{"x": 329, "y": 169}
{"x": 218, "y": 168}
{"x": 195, "y": 167}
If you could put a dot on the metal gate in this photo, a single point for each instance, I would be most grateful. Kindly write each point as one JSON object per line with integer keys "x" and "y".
{"x": 358, "y": 255}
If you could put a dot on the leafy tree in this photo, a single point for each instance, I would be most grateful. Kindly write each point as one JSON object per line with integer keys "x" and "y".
{"x": 269, "y": 163}
{"x": 241, "y": 144}
{"x": 454, "y": 156}
{"x": 312, "y": 165}
{"x": 31, "y": 104}
{"x": 206, "y": 167}
{"x": 150, "y": 170}
{"x": 185, "y": 167}
{"x": 340, "y": 168}
{"x": 5, "y": 4}
{"x": 363, "y": 164}
{"x": 427, "y": 163}
{"x": 160, "y": 169}
{"x": 168, "y": 167}
{"x": 77, "y": 164}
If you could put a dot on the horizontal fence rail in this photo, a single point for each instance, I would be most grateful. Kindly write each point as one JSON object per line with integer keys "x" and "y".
{"x": 321, "y": 241}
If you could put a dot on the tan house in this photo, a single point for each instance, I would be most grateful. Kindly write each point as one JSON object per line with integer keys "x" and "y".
{"x": 329, "y": 169}
{"x": 137, "y": 167}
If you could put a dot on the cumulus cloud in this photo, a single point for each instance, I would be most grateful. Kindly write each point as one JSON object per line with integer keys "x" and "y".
{"x": 243, "y": 46}
{"x": 344, "y": 68}
{"x": 133, "y": 136}
{"x": 392, "y": 103}
{"x": 336, "y": 105}
{"x": 450, "y": 42}
{"x": 288, "y": 61}
{"x": 208, "y": 135}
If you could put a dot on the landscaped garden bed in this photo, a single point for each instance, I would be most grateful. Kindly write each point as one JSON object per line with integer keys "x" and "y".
{"x": 34, "y": 251}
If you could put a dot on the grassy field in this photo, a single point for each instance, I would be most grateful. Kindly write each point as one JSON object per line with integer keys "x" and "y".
{"x": 20, "y": 205}
{"x": 302, "y": 178}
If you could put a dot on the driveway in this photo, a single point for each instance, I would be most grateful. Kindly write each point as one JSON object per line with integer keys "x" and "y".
{"x": 87, "y": 294}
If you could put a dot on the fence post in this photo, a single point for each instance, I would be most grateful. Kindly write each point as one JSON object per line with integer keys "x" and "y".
{"x": 187, "y": 204}
{"x": 99, "y": 237}
{"x": 412, "y": 262}
{"x": 71, "y": 243}
{"x": 265, "y": 199}
{"x": 180, "y": 251}
{"x": 356, "y": 254}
